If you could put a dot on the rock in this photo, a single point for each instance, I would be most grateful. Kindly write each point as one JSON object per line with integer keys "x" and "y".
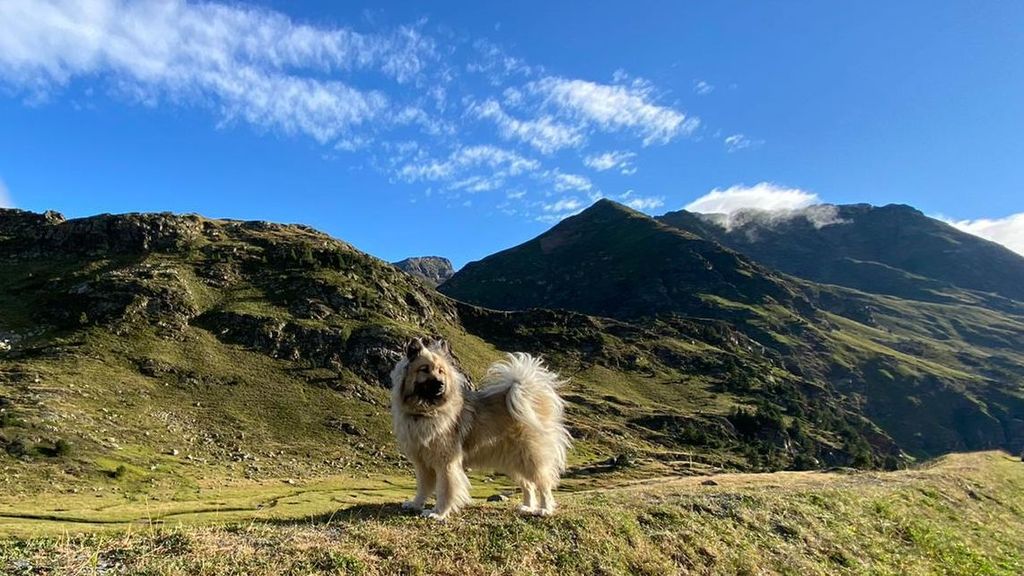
{"x": 709, "y": 482}
{"x": 432, "y": 269}
{"x": 497, "y": 498}
{"x": 175, "y": 452}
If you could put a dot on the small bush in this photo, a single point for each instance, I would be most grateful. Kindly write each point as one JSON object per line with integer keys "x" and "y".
{"x": 17, "y": 447}
{"x": 61, "y": 447}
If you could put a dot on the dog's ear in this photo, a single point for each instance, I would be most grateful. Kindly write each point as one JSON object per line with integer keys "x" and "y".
{"x": 442, "y": 345}
{"x": 413, "y": 348}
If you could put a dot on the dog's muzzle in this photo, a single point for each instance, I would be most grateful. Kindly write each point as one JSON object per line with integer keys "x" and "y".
{"x": 430, "y": 390}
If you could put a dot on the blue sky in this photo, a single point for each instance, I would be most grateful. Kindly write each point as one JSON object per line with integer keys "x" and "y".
{"x": 459, "y": 129}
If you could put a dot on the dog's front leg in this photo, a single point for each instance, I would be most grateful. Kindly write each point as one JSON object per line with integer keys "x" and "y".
{"x": 425, "y": 480}
{"x": 452, "y": 491}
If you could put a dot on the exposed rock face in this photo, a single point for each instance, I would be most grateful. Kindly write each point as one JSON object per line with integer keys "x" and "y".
{"x": 434, "y": 269}
{"x": 369, "y": 352}
{"x": 120, "y": 233}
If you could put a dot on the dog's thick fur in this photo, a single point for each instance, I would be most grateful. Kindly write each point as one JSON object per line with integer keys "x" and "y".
{"x": 513, "y": 424}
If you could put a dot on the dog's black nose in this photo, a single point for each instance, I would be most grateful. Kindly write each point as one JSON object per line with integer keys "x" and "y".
{"x": 430, "y": 389}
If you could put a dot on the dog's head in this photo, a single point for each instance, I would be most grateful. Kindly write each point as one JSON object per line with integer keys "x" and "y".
{"x": 425, "y": 378}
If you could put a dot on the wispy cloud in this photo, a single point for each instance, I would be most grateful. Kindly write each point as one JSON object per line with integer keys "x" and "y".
{"x": 498, "y": 66}
{"x": 1007, "y": 231}
{"x": 570, "y": 182}
{"x": 553, "y": 212}
{"x": 615, "y": 107}
{"x": 762, "y": 196}
{"x": 608, "y": 160}
{"x": 564, "y": 205}
{"x": 737, "y": 142}
{"x": 642, "y": 203}
{"x": 248, "y": 64}
{"x": 543, "y": 133}
{"x": 461, "y": 115}
{"x": 5, "y": 196}
{"x": 499, "y": 163}
{"x": 702, "y": 88}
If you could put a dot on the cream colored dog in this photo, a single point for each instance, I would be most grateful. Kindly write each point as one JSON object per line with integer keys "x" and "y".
{"x": 513, "y": 425}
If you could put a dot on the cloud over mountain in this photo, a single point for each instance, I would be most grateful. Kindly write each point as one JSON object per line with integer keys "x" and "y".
{"x": 1008, "y": 231}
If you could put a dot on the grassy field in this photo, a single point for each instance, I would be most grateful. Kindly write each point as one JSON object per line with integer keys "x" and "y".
{"x": 960, "y": 515}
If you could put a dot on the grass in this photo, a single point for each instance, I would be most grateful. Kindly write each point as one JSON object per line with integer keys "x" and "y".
{"x": 961, "y": 515}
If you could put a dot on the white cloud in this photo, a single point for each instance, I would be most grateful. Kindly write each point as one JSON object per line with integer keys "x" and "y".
{"x": 564, "y": 205}
{"x": 1007, "y": 231}
{"x": 248, "y": 64}
{"x": 564, "y": 182}
{"x": 763, "y": 196}
{"x": 614, "y": 107}
{"x": 737, "y": 142}
{"x": 765, "y": 204}
{"x": 702, "y": 88}
{"x": 559, "y": 210}
{"x": 5, "y": 196}
{"x": 609, "y": 160}
{"x": 642, "y": 203}
{"x": 494, "y": 63}
{"x": 499, "y": 162}
{"x": 544, "y": 133}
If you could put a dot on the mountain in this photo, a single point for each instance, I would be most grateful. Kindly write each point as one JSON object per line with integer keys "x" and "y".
{"x": 150, "y": 352}
{"x": 433, "y": 269}
{"x": 613, "y": 261}
{"x": 155, "y": 353}
{"x": 926, "y": 373}
{"x": 894, "y": 250}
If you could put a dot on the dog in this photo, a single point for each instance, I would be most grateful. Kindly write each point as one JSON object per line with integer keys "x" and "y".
{"x": 513, "y": 424}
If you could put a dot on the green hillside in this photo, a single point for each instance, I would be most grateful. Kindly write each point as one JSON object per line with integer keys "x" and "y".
{"x": 931, "y": 377}
{"x": 960, "y": 516}
{"x": 181, "y": 366}
{"x": 893, "y": 250}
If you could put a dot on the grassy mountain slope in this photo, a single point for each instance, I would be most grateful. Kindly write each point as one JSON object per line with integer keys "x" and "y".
{"x": 933, "y": 377}
{"x": 152, "y": 355}
{"x": 894, "y": 250}
{"x": 616, "y": 262}
{"x": 959, "y": 516}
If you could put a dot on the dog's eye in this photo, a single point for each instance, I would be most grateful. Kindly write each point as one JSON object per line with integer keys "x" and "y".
{"x": 423, "y": 368}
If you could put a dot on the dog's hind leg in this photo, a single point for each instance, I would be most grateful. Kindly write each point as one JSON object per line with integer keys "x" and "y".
{"x": 425, "y": 481}
{"x": 529, "y": 497}
{"x": 452, "y": 491}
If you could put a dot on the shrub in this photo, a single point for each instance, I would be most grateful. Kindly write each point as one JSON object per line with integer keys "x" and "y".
{"x": 61, "y": 447}
{"x": 17, "y": 447}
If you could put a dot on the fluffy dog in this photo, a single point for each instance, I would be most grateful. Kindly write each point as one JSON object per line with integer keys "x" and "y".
{"x": 513, "y": 425}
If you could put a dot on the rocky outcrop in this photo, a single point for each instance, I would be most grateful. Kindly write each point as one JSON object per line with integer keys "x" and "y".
{"x": 432, "y": 269}
{"x": 30, "y": 234}
{"x": 369, "y": 352}
{"x": 141, "y": 295}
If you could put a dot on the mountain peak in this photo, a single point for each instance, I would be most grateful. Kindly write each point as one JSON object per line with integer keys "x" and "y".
{"x": 893, "y": 249}
{"x": 611, "y": 260}
{"x": 434, "y": 270}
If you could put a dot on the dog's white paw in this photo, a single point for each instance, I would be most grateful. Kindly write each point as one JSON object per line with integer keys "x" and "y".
{"x": 431, "y": 515}
{"x": 412, "y": 505}
{"x": 526, "y": 510}
{"x": 544, "y": 512}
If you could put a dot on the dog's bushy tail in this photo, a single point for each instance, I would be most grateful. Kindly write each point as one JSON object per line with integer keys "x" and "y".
{"x": 534, "y": 401}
